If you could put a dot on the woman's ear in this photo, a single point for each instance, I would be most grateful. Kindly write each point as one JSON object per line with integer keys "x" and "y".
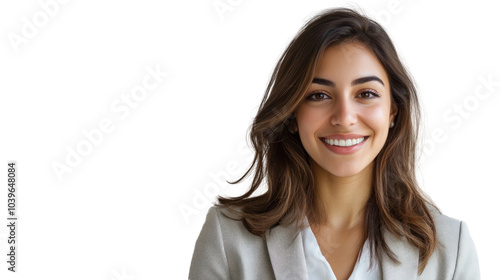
{"x": 394, "y": 111}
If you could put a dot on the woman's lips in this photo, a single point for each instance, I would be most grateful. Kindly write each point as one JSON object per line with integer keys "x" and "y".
{"x": 346, "y": 144}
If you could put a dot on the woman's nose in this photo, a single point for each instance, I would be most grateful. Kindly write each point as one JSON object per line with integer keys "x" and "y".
{"x": 343, "y": 113}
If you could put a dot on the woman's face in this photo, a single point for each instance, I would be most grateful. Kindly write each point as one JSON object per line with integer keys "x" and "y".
{"x": 349, "y": 103}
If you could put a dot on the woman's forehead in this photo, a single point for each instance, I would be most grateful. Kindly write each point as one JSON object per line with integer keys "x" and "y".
{"x": 349, "y": 61}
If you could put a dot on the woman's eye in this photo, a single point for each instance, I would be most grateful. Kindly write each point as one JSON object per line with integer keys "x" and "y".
{"x": 317, "y": 96}
{"x": 368, "y": 94}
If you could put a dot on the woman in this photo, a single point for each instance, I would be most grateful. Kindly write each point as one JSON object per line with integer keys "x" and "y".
{"x": 335, "y": 139}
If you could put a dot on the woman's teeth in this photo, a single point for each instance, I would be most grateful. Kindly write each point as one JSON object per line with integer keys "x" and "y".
{"x": 343, "y": 143}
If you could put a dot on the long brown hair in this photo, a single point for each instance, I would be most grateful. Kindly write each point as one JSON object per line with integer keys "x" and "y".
{"x": 396, "y": 203}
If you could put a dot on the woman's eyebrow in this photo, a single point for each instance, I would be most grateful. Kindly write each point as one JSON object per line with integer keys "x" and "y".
{"x": 358, "y": 81}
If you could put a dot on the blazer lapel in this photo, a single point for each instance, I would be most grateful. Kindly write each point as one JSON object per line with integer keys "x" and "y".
{"x": 286, "y": 252}
{"x": 405, "y": 253}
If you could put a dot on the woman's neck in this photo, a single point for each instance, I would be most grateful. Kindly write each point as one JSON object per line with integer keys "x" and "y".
{"x": 341, "y": 200}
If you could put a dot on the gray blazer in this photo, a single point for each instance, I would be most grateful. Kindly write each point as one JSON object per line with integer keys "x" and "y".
{"x": 225, "y": 249}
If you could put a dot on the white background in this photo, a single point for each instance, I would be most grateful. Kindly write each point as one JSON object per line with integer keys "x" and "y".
{"x": 117, "y": 213}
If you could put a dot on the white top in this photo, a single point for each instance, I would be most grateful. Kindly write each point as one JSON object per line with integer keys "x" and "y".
{"x": 318, "y": 267}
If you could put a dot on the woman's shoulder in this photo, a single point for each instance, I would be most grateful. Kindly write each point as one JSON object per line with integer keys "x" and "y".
{"x": 445, "y": 224}
{"x": 228, "y": 221}
{"x": 227, "y": 216}
{"x": 225, "y": 249}
{"x": 455, "y": 252}
{"x": 449, "y": 230}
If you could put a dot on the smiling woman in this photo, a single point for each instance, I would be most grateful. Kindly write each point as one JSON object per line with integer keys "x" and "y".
{"x": 352, "y": 108}
{"x": 342, "y": 200}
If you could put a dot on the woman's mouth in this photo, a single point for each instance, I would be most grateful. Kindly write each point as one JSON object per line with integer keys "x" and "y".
{"x": 343, "y": 142}
{"x": 344, "y": 146}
